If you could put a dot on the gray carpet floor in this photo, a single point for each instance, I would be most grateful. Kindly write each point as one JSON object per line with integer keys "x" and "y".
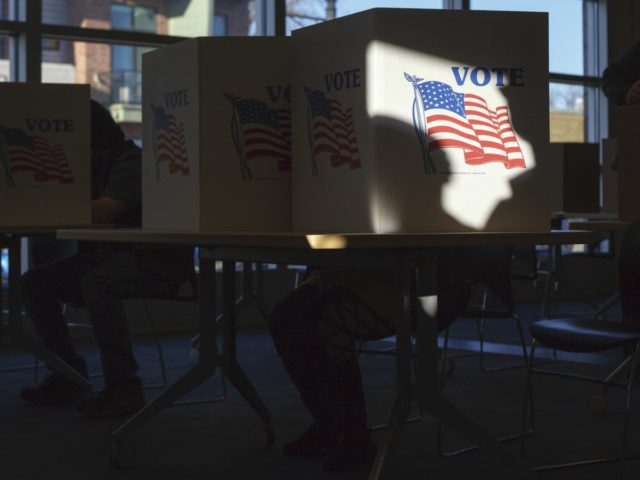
{"x": 222, "y": 441}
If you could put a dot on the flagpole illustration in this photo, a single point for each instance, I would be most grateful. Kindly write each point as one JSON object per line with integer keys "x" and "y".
{"x": 419, "y": 125}
{"x": 5, "y": 162}
{"x": 245, "y": 172}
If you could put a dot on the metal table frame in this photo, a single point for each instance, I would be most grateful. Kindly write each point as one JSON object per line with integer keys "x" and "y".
{"x": 402, "y": 254}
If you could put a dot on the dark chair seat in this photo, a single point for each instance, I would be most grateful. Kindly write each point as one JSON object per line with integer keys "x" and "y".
{"x": 579, "y": 335}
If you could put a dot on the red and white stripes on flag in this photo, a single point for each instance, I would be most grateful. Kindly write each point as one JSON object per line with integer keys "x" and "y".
{"x": 495, "y": 134}
{"x": 465, "y": 120}
{"x": 170, "y": 145}
{"x": 47, "y": 163}
{"x": 332, "y": 131}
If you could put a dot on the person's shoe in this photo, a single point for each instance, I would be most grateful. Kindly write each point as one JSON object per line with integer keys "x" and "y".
{"x": 314, "y": 443}
{"x": 54, "y": 390}
{"x": 351, "y": 455}
{"x": 114, "y": 401}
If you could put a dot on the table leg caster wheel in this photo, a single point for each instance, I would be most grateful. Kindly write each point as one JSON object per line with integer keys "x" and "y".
{"x": 598, "y": 403}
{"x": 122, "y": 456}
{"x": 263, "y": 436}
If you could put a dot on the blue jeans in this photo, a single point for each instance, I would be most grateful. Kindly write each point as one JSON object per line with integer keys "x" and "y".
{"x": 99, "y": 283}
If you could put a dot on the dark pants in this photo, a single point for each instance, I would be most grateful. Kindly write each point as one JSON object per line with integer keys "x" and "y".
{"x": 99, "y": 283}
{"x": 629, "y": 272}
{"x": 314, "y": 332}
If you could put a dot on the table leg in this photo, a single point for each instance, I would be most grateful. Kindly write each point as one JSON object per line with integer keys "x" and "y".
{"x": 208, "y": 361}
{"x": 429, "y": 396}
{"x": 231, "y": 367}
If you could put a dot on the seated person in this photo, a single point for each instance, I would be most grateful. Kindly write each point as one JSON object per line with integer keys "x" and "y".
{"x": 99, "y": 276}
{"x": 314, "y": 330}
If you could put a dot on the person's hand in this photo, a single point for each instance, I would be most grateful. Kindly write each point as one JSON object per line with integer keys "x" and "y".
{"x": 633, "y": 95}
{"x": 106, "y": 210}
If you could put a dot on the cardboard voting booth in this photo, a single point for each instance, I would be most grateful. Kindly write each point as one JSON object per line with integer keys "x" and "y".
{"x": 45, "y": 160}
{"x": 421, "y": 120}
{"x": 217, "y": 135}
{"x": 627, "y": 133}
{"x": 575, "y": 177}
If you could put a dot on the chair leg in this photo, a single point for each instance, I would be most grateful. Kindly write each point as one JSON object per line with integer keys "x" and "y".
{"x": 471, "y": 448}
{"x": 525, "y": 356}
{"x": 527, "y": 399}
{"x": 625, "y": 431}
{"x": 156, "y": 336}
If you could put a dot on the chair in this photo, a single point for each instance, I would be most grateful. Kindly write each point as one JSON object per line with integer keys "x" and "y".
{"x": 586, "y": 336}
{"x": 496, "y": 282}
{"x": 496, "y": 293}
{"x": 188, "y": 293}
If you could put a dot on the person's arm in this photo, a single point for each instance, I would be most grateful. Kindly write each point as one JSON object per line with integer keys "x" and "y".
{"x": 121, "y": 196}
{"x": 106, "y": 210}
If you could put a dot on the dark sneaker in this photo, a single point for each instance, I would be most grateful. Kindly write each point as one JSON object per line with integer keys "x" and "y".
{"x": 54, "y": 390}
{"x": 351, "y": 456}
{"x": 114, "y": 401}
{"x": 313, "y": 443}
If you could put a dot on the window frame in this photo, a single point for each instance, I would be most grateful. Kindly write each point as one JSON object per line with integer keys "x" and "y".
{"x": 28, "y": 30}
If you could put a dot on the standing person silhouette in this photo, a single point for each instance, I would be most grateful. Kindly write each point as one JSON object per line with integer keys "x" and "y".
{"x": 621, "y": 85}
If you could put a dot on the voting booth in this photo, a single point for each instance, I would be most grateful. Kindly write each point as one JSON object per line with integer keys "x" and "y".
{"x": 627, "y": 126}
{"x": 45, "y": 160}
{"x": 575, "y": 177}
{"x": 419, "y": 120}
{"x": 217, "y": 135}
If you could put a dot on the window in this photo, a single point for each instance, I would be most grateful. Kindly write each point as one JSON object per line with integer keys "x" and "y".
{"x": 5, "y": 69}
{"x": 125, "y": 75}
{"x": 185, "y": 18}
{"x": 126, "y": 17}
{"x": 302, "y": 13}
{"x": 566, "y": 32}
{"x": 50, "y": 44}
{"x": 4, "y": 53}
{"x": 220, "y": 25}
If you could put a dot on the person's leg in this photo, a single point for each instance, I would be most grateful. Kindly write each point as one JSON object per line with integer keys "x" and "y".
{"x": 295, "y": 343}
{"x": 314, "y": 333}
{"x": 342, "y": 319}
{"x": 44, "y": 289}
{"x": 103, "y": 290}
{"x": 629, "y": 272}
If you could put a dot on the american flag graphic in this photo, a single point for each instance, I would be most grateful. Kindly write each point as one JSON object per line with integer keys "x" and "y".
{"x": 260, "y": 131}
{"x": 331, "y": 131}
{"x": 21, "y": 152}
{"x": 169, "y": 142}
{"x": 464, "y": 120}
